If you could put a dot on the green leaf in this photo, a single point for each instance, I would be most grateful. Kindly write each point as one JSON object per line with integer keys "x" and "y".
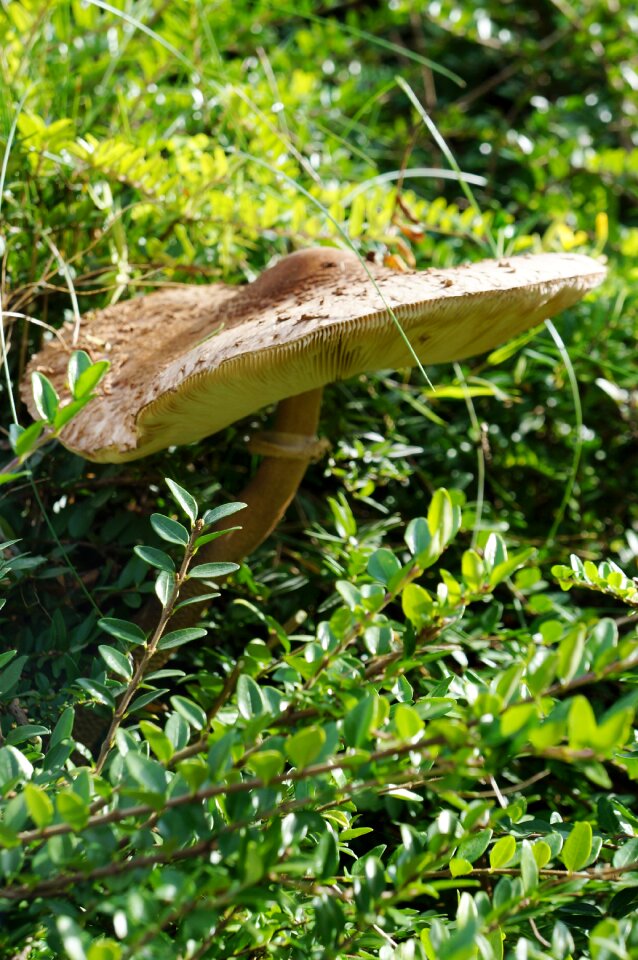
{"x": 570, "y": 652}
{"x": 578, "y": 846}
{"x": 408, "y": 722}
{"x": 504, "y": 570}
{"x": 72, "y": 809}
{"x": 502, "y": 852}
{"x": 8, "y": 654}
{"x": 70, "y": 934}
{"x": 542, "y": 853}
{"x": 191, "y": 712}
{"x": 267, "y": 764}
{"x": 200, "y": 598}
{"x": 178, "y": 637}
{"x": 403, "y": 690}
{"x": 417, "y": 604}
{"x": 358, "y": 722}
{"x": 221, "y": 512}
{"x": 613, "y": 732}
{"x": 418, "y": 536}
{"x": 473, "y": 570}
{"x": 39, "y": 805}
{"x": 585, "y": 733}
{"x": 475, "y": 845}
{"x": 215, "y": 535}
{"x": 158, "y": 741}
{"x": 369, "y": 884}
{"x": 529, "y": 869}
{"x": 495, "y": 551}
{"x": 63, "y": 729}
{"x": 11, "y": 675}
{"x": 606, "y": 940}
{"x": 155, "y": 558}
{"x": 186, "y": 501}
{"x": 144, "y": 699}
{"x": 148, "y": 773}
{"x": 460, "y": 867}
{"x": 249, "y": 698}
{"x": 104, "y": 949}
{"x": 627, "y": 854}
{"x": 305, "y": 745}
{"x": 354, "y": 833}
{"x": 350, "y": 594}
{"x": 67, "y": 412}
{"x": 169, "y": 529}
{"x": 98, "y": 691}
{"x": 88, "y": 380}
{"x": 28, "y": 438}
{"x": 209, "y": 571}
{"x": 220, "y": 756}
{"x": 45, "y": 397}
{"x": 27, "y": 731}
{"x": 461, "y": 945}
{"x": 8, "y": 838}
{"x": 122, "y": 630}
{"x": 164, "y": 586}
{"x": 516, "y": 718}
{"x": 79, "y": 361}
{"x": 442, "y": 519}
{"x": 10, "y": 477}
{"x": 116, "y": 661}
{"x": 383, "y": 565}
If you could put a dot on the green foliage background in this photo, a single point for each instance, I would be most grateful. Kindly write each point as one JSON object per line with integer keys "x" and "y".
{"x": 375, "y": 750}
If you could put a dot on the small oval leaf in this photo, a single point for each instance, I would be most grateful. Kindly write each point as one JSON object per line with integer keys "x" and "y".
{"x": 186, "y": 500}
{"x": 221, "y": 512}
{"x": 122, "y": 629}
{"x": 116, "y": 661}
{"x": 177, "y": 637}
{"x": 212, "y": 570}
{"x": 88, "y": 380}
{"x": 191, "y": 712}
{"x": 578, "y": 846}
{"x": 155, "y": 558}
{"x": 45, "y": 397}
{"x": 169, "y": 529}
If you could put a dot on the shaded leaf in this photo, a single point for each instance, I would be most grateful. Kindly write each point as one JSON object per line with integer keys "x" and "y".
{"x": 169, "y": 529}
{"x": 122, "y": 629}
{"x": 212, "y": 570}
{"x": 116, "y": 661}
{"x": 190, "y": 711}
{"x": 178, "y": 637}
{"x": 155, "y": 558}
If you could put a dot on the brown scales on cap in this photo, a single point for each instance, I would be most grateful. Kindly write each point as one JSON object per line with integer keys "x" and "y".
{"x": 187, "y": 362}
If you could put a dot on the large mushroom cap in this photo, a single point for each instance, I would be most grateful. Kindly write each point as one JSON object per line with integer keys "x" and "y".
{"x": 186, "y": 362}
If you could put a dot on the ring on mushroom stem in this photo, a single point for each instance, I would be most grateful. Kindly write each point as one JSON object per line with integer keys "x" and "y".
{"x": 187, "y": 362}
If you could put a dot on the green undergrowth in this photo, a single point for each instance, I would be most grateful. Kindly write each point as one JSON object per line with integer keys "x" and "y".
{"x": 405, "y": 727}
{"x": 380, "y": 778}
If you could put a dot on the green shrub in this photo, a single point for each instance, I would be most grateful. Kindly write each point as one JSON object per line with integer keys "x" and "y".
{"x": 406, "y": 729}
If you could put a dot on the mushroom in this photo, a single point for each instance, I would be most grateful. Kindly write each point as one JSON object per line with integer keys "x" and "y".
{"x": 188, "y": 361}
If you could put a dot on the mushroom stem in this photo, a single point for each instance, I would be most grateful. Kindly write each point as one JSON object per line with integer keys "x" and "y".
{"x": 266, "y": 496}
{"x": 276, "y": 482}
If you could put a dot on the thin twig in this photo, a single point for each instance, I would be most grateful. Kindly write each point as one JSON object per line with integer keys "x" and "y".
{"x": 150, "y": 650}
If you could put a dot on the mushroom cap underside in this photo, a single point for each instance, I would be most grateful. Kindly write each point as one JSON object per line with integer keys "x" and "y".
{"x": 188, "y": 361}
